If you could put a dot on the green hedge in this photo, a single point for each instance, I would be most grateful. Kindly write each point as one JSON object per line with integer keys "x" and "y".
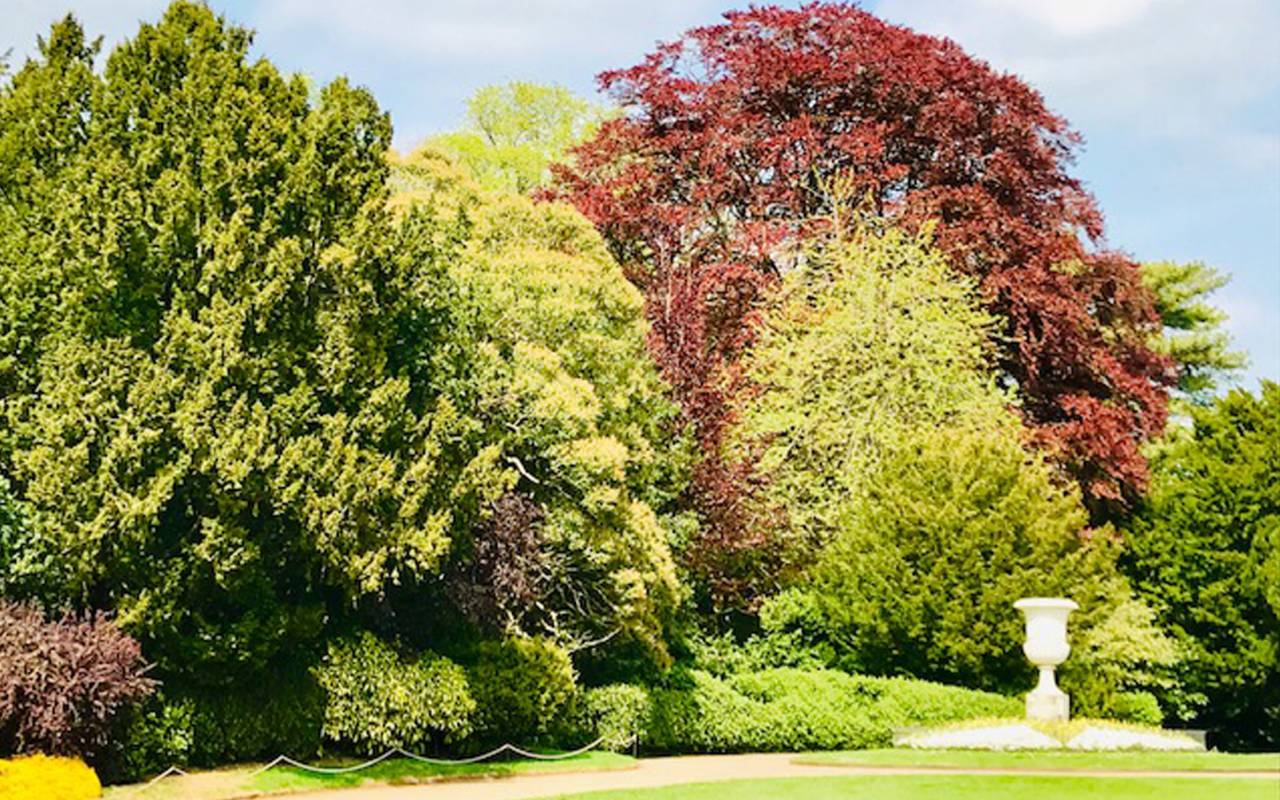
{"x": 207, "y": 727}
{"x": 793, "y": 709}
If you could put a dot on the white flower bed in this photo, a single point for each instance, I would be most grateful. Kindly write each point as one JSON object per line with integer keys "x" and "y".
{"x": 1022, "y": 736}
{"x": 1120, "y": 739}
{"x": 1003, "y": 737}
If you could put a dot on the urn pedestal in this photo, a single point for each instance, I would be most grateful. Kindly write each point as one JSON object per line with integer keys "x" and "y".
{"x": 1046, "y": 647}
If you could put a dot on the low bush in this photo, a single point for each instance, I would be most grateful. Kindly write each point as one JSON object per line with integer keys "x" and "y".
{"x": 375, "y": 699}
{"x": 907, "y": 702}
{"x": 521, "y": 686}
{"x": 41, "y": 777}
{"x": 619, "y": 714}
{"x": 207, "y": 727}
{"x": 155, "y": 737}
{"x": 284, "y": 715}
{"x": 64, "y": 681}
{"x": 1139, "y": 707}
{"x": 792, "y": 709}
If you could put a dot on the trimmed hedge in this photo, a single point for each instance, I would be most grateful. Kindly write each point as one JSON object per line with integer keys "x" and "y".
{"x": 792, "y": 709}
{"x": 41, "y": 777}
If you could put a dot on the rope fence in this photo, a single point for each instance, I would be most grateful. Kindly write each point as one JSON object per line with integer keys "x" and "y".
{"x": 393, "y": 752}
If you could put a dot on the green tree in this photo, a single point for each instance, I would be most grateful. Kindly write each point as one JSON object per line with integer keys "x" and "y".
{"x": 875, "y": 338}
{"x": 919, "y": 511}
{"x": 514, "y": 132}
{"x": 1193, "y": 334}
{"x": 252, "y": 395}
{"x": 1204, "y": 550}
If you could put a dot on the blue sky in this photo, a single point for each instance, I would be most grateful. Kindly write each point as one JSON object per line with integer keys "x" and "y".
{"x": 1179, "y": 100}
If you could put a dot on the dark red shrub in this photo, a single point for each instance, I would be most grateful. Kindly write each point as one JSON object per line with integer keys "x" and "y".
{"x": 63, "y": 681}
{"x": 731, "y": 138}
{"x": 506, "y": 576}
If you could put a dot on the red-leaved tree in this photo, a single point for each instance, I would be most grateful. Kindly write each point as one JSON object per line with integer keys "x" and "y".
{"x": 731, "y": 138}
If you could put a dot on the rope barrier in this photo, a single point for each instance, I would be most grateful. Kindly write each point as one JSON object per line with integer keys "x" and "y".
{"x": 395, "y": 751}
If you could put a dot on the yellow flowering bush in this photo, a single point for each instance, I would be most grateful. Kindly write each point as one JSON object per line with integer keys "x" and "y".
{"x": 41, "y": 777}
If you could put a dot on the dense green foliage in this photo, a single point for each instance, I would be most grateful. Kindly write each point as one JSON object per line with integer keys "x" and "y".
{"x": 236, "y": 412}
{"x": 618, "y": 714}
{"x": 370, "y": 450}
{"x": 208, "y": 727}
{"x": 918, "y": 512}
{"x": 514, "y": 132}
{"x": 1204, "y": 550}
{"x": 521, "y": 685}
{"x": 789, "y": 709}
{"x": 375, "y": 699}
{"x": 1194, "y": 335}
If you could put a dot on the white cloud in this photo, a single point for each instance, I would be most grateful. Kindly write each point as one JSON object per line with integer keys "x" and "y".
{"x": 1074, "y": 17}
{"x": 1176, "y": 69}
{"x": 490, "y": 29}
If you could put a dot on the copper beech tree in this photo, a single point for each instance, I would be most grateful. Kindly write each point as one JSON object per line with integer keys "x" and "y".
{"x": 730, "y": 135}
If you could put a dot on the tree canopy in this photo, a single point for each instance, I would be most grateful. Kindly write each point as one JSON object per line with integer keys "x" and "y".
{"x": 1204, "y": 550}
{"x": 1193, "y": 336}
{"x": 252, "y": 393}
{"x": 729, "y": 139}
{"x": 514, "y": 132}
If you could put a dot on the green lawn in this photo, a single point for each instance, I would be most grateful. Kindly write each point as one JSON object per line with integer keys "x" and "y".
{"x": 232, "y": 782}
{"x": 959, "y": 787}
{"x": 1224, "y": 762}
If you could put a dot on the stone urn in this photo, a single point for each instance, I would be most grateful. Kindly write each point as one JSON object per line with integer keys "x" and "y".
{"x": 1046, "y": 647}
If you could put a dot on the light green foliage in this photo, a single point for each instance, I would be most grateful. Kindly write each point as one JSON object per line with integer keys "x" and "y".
{"x": 872, "y": 340}
{"x": 514, "y": 132}
{"x": 520, "y": 685}
{"x": 791, "y": 709}
{"x": 1193, "y": 335}
{"x": 376, "y": 700}
{"x": 920, "y": 513}
{"x": 618, "y": 713}
{"x": 1204, "y": 551}
{"x": 1115, "y": 662}
{"x": 546, "y": 354}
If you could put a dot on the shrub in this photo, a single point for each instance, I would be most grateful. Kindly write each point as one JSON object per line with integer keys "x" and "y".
{"x": 618, "y": 714}
{"x": 206, "y": 727}
{"x": 64, "y": 681}
{"x": 521, "y": 685}
{"x": 41, "y": 777}
{"x": 791, "y": 709}
{"x": 1140, "y": 707}
{"x": 906, "y": 702}
{"x": 375, "y": 699}
{"x": 284, "y": 715}
{"x": 156, "y": 736}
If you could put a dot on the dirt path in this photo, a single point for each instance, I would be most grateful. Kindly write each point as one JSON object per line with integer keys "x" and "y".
{"x": 652, "y": 772}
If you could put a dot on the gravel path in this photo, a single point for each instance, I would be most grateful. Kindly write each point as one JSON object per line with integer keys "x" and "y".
{"x": 651, "y": 772}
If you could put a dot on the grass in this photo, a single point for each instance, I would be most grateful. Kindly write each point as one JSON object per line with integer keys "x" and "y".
{"x": 957, "y": 787}
{"x": 1052, "y": 759}
{"x": 234, "y": 782}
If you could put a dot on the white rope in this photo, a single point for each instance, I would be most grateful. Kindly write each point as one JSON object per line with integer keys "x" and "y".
{"x": 283, "y": 759}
